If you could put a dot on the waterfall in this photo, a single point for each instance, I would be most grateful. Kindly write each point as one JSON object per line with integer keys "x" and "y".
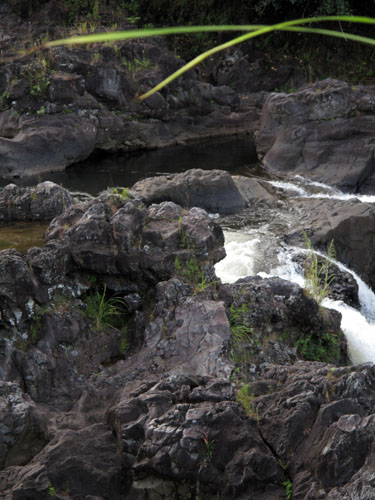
{"x": 246, "y": 256}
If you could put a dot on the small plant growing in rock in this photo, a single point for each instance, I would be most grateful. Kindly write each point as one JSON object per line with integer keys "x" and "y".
{"x": 317, "y": 271}
{"x": 123, "y": 193}
{"x": 51, "y": 490}
{"x": 209, "y": 446}
{"x": 104, "y": 311}
{"x": 246, "y": 399}
{"x": 325, "y": 347}
{"x": 288, "y": 489}
{"x": 242, "y": 342}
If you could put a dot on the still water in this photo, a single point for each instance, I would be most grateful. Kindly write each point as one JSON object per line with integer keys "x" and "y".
{"x": 109, "y": 170}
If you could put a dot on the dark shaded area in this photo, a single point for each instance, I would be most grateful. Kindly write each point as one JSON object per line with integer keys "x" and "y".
{"x": 104, "y": 170}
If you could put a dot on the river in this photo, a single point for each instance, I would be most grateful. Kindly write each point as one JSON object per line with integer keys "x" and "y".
{"x": 253, "y": 239}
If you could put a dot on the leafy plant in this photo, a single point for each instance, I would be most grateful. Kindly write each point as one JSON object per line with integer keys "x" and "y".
{"x": 325, "y": 347}
{"x": 104, "y": 311}
{"x": 288, "y": 489}
{"x": 51, "y": 489}
{"x": 37, "y": 77}
{"x": 209, "y": 446}
{"x": 136, "y": 65}
{"x": 242, "y": 342}
{"x": 317, "y": 271}
{"x": 123, "y": 193}
{"x": 254, "y": 31}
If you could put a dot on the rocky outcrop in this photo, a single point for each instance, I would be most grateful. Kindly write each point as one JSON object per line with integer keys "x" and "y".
{"x": 56, "y": 109}
{"x": 174, "y": 392}
{"x": 349, "y": 224}
{"x": 42, "y": 202}
{"x": 323, "y": 131}
{"x": 213, "y": 190}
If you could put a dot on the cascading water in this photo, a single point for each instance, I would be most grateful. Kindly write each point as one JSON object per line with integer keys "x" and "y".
{"x": 246, "y": 256}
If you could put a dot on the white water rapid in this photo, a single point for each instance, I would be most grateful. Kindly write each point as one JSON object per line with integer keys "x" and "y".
{"x": 246, "y": 256}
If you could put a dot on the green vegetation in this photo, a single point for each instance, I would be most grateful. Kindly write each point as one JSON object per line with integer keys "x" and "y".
{"x": 242, "y": 341}
{"x": 317, "y": 271}
{"x": 244, "y": 397}
{"x": 122, "y": 193}
{"x": 253, "y": 31}
{"x": 51, "y": 489}
{"x": 209, "y": 446}
{"x": 105, "y": 311}
{"x": 36, "y": 75}
{"x": 288, "y": 489}
{"x": 192, "y": 273}
{"x": 324, "y": 347}
{"x": 136, "y": 65}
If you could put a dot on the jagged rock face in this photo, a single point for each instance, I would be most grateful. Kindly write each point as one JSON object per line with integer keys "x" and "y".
{"x": 134, "y": 242}
{"x": 323, "y": 131}
{"x": 190, "y": 431}
{"x": 321, "y": 427}
{"x": 165, "y": 418}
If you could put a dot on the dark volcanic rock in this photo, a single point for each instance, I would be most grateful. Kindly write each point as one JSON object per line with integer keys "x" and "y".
{"x": 350, "y": 224}
{"x": 57, "y": 111}
{"x": 42, "y": 202}
{"x": 279, "y": 316}
{"x": 154, "y": 406}
{"x": 323, "y": 131}
{"x": 213, "y": 190}
{"x": 190, "y": 432}
{"x": 44, "y": 144}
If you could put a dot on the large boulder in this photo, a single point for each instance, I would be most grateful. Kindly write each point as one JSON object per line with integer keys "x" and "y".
{"x": 324, "y": 131}
{"x": 350, "y": 224}
{"x": 213, "y": 190}
{"x": 43, "y": 143}
{"x": 43, "y": 202}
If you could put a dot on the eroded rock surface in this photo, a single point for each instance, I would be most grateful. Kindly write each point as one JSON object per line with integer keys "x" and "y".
{"x": 323, "y": 131}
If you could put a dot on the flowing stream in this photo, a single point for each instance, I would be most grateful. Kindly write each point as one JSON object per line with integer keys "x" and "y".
{"x": 253, "y": 248}
{"x": 253, "y": 238}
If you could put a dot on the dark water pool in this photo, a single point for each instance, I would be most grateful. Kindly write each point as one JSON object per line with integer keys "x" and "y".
{"x": 236, "y": 156}
{"x": 103, "y": 170}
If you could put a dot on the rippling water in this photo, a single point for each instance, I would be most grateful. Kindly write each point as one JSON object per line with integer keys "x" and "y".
{"x": 248, "y": 254}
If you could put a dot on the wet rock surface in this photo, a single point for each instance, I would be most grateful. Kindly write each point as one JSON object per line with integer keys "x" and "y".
{"x": 127, "y": 370}
{"x": 213, "y": 190}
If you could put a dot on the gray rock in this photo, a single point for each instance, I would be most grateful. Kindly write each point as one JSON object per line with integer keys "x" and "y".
{"x": 351, "y": 226}
{"x": 42, "y": 202}
{"x": 212, "y": 190}
{"x": 321, "y": 132}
